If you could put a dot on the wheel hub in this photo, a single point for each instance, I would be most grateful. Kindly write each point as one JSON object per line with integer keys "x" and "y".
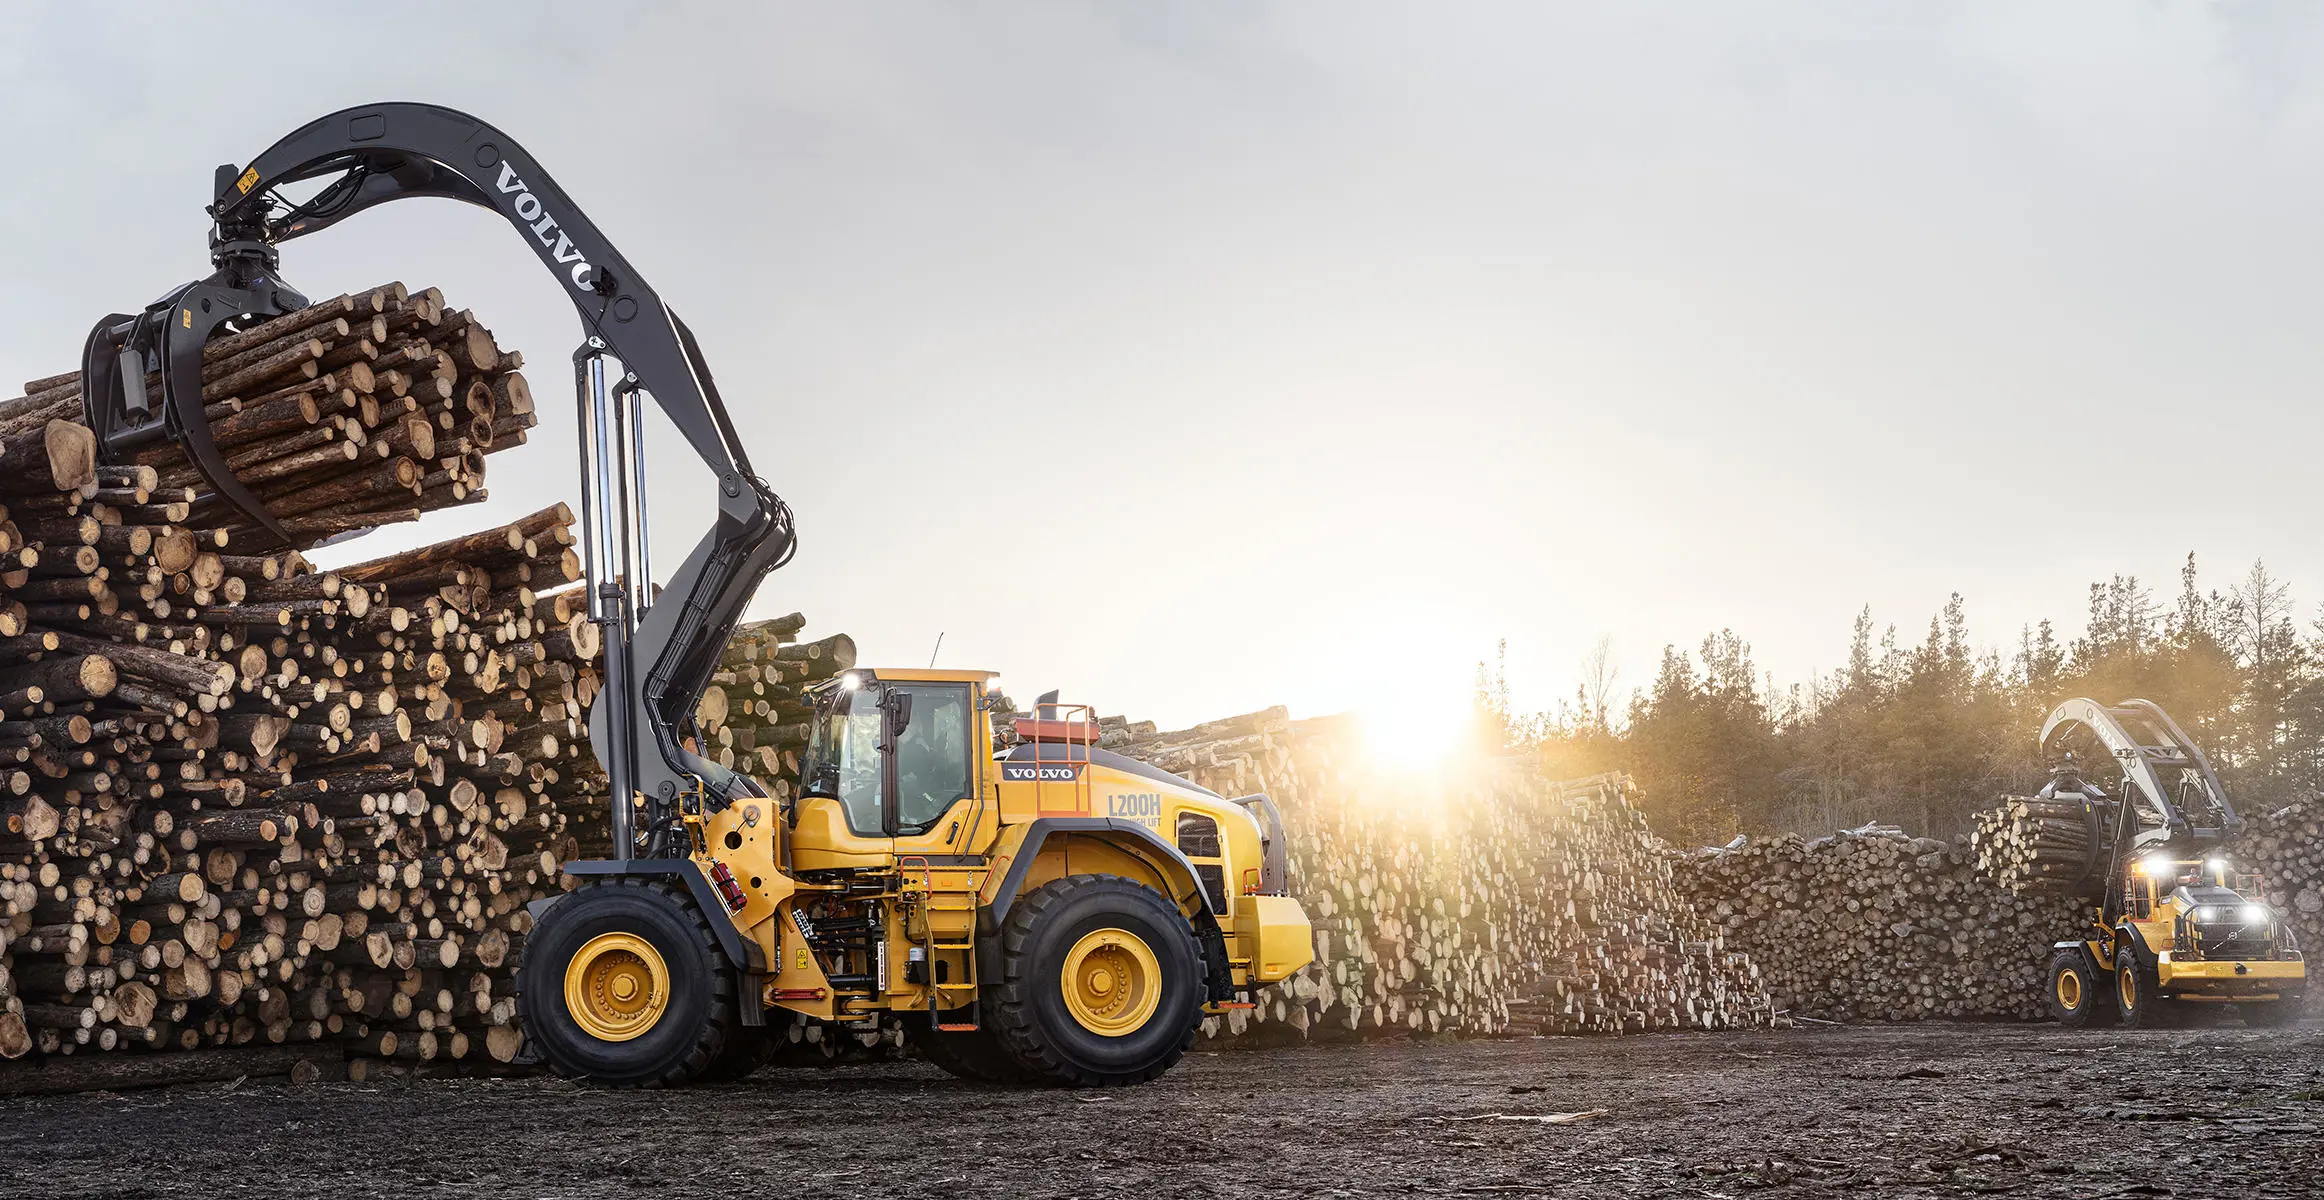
{"x": 1111, "y": 982}
{"x": 616, "y": 987}
{"x": 2070, "y": 990}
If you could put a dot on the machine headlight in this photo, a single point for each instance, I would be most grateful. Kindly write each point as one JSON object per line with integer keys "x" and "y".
{"x": 850, "y": 681}
{"x": 2255, "y": 913}
{"x": 2201, "y": 914}
{"x": 2156, "y": 865}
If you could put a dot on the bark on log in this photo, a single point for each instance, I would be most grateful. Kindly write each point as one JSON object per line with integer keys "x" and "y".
{"x": 118, "y": 1072}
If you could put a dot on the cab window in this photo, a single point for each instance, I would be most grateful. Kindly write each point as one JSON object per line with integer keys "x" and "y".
{"x": 933, "y": 767}
{"x": 1198, "y": 840}
{"x": 2142, "y": 898}
{"x": 843, "y": 758}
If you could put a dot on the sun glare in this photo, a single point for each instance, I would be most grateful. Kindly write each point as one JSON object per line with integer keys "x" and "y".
{"x": 1417, "y": 736}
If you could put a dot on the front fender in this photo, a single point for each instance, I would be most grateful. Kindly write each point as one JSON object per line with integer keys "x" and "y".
{"x": 743, "y": 953}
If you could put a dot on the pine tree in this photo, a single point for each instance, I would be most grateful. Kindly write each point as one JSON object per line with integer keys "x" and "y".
{"x": 1926, "y": 735}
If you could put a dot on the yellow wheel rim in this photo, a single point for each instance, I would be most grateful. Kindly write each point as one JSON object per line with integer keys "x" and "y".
{"x": 2127, "y": 986}
{"x": 616, "y": 987}
{"x": 1112, "y": 982}
{"x": 2070, "y": 989}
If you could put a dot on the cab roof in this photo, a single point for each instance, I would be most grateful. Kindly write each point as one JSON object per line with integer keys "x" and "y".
{"x": 923, "y": 675}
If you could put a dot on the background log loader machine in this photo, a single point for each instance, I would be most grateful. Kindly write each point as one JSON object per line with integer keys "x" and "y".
{"x": 1047, "y": 911}
{"x": 2177, "y": 930}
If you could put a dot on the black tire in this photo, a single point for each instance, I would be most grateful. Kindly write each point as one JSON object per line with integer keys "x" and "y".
{"x": 976, "y": 1055}
{"x": 1030, "y": 1013}
{"x": 2079, "y": 996}
{"x": 697, "y": 1020}
{"x": 2271, "y": 1014}
{"x": 2138, "y": 995}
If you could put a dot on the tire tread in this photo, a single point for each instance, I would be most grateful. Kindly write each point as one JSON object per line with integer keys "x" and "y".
{"x": 710, "y": 1043}
{"x": 1013, "y": 1008}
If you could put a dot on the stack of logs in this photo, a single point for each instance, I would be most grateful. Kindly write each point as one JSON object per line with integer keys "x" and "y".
{"x": 364, "y": 410}
{"x": 754, "y": 716}
{"x": 244, "y": 801}
{"x": 2286, "y": 846}
{"x": 2039, "y": 846}
{"x": 1872, "y": 925}
{"x": 1479, "y": 898}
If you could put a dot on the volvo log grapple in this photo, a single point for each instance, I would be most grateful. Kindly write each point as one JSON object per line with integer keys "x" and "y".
{"x": 1020, "y": 902}
{"x": 2178, "y": 928}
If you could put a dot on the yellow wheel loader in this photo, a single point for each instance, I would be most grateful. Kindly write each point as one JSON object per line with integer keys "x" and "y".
{"x": 2178, "y": 931}
{"x": 1047, "y": 911}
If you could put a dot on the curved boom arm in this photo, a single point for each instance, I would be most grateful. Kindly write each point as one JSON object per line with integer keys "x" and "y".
{"x": 658, "y": 663}
{"x": 2145, "y": 742}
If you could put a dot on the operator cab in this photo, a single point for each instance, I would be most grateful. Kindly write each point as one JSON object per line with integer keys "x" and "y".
{"x": 2187, "y": 884}
{"x": 894, "y": 754}
{"x": 2215, "y": 910}
{"x": 2195, "y": 891}
{"x": 2153, "y": 879}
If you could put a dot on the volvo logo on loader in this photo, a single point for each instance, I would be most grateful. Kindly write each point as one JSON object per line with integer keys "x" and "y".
{"x": 1040, "y": 772}
{"x": 561, "y": 248}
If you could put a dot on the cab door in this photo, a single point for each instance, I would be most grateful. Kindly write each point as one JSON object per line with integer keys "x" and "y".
{"x": 936, "y": 802}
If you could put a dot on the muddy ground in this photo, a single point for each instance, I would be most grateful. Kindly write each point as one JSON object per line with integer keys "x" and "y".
{"x": 1931, "y": 1110}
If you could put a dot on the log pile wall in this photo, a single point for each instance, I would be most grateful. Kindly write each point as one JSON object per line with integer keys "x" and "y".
{"x": 754, "y": 714}
{"x": 2287, "y": 846}
{"x": 1477, "y": 899}
{"x": 247, "y": 803}
{"x": 1873, "y": 925}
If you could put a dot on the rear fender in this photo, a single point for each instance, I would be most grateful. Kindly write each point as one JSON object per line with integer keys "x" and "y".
{"x": 1130, "y": 841}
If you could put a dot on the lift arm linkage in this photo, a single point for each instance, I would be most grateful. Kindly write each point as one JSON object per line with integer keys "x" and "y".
{"x": 659, "y": 655}
{"x": 2145, "y": 743}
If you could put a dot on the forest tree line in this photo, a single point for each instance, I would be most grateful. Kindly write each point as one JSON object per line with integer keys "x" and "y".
{"x": 1923, "y": 732}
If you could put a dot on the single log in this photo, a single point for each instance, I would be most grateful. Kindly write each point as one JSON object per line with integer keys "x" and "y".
{"x": 64, "y": 679}
{"x": 117, "y": 1072}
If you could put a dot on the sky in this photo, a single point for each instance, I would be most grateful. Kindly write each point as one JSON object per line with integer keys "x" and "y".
{"x": 1195, "y": 358}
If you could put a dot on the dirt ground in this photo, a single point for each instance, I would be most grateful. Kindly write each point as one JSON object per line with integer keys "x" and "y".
{"x": 1931, "y": 1110}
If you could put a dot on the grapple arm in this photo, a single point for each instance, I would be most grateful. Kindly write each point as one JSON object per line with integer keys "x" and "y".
{"x": 659, "y": 653}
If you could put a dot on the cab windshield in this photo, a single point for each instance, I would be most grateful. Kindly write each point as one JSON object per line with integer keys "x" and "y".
{"x": 843, "y": 757}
